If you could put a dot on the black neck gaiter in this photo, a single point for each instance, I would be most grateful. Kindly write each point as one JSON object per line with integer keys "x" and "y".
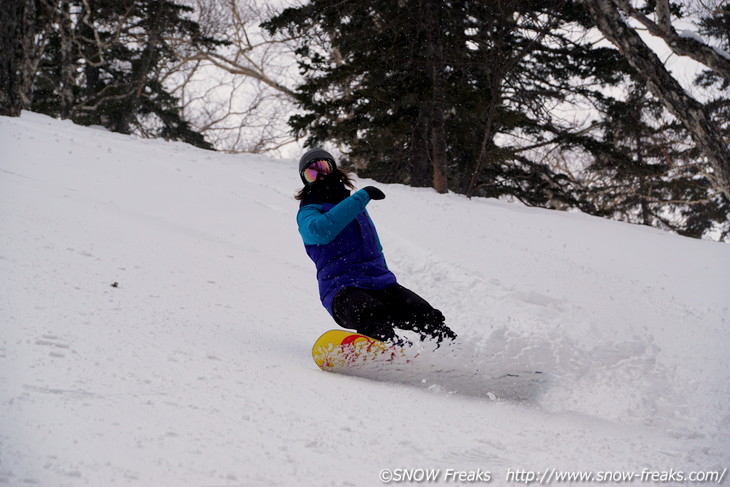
{"x": 331, "y": 189}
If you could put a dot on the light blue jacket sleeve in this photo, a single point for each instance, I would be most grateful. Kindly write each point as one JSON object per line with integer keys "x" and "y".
{"x": 317, "y": 228}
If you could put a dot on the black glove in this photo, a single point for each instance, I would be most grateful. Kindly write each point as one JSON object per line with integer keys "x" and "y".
{"x": 374, "y": 193}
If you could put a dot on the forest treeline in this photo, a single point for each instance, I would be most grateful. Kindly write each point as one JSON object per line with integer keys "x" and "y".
{"x": 555, "y": 103}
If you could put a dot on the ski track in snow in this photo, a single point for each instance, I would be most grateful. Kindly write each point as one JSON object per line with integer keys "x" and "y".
{"x": 195, "y": 369}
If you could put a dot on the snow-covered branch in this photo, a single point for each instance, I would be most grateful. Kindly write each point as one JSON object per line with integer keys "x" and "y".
{"x": 664, "y": 87}
{"x": 683, "y": 43}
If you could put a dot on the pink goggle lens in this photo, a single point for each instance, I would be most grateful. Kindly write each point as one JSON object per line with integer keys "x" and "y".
{"x": 314, "y": 169}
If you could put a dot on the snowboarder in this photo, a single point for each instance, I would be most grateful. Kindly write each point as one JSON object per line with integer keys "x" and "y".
{"x": 355, "y": 284}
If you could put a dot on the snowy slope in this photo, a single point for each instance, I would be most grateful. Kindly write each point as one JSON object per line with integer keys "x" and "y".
{"x": 196, "y": 370}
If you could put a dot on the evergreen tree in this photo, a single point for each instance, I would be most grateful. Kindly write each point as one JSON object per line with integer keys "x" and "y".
{"x": 418, "y": 88}
{"x": 643, "y": 171}
{"x": 714, "y": 213}
{"x": 716, "y": 25}
{"x": 476, "y": 96}
{"x": 104, "y": 65}
{"x": 10, "y": 30}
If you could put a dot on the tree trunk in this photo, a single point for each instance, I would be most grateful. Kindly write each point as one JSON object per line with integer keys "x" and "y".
{"x": 419, "y": 165}
{"x": 67, "y": 61}
{"x": 663, "y": 86}
{"x": 679, "y": 44}
{"x": 438, "y": 103}
{"x": 487, "y": 145}
{"x": 438, "y": 154}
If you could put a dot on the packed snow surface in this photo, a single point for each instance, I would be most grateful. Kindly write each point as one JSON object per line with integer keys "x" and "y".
{"x": 157, "y": 311}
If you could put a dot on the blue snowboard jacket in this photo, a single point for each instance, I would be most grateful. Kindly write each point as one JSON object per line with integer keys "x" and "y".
{"x": 342, "y": 241}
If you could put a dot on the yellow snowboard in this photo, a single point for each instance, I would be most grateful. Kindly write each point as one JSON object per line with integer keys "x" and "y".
{"x": 336, "y": 350}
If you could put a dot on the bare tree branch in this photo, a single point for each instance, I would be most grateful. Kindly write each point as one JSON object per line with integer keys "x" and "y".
{"x": 233, "y": 67}
{"x": 240, "y": 94}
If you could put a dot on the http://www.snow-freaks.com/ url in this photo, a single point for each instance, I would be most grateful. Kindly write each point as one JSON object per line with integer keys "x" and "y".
{"x": 548, "y": 476}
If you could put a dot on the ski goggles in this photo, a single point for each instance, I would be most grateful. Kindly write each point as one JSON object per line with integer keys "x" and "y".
{"x": 314, "y": 169}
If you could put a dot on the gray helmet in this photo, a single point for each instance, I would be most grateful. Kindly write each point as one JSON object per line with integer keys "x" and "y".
{"x": 314, "y": 155}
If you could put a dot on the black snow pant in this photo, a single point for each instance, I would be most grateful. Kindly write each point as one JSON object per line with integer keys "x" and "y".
{"x": 376, "y": 312}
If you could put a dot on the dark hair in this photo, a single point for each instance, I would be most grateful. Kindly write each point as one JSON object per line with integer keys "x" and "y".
{"x": 344, "y": 177}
